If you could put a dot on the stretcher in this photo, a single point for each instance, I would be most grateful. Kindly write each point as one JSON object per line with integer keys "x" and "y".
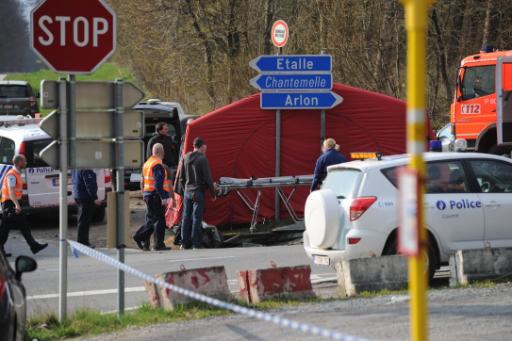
{"x": 226, "y": 185}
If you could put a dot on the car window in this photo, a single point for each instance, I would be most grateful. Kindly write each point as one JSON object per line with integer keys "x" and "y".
{"x": 392, "y": 174}
{"x": 493, "y": 176}
{"x": 478, "y": 81}
{"x": 446, "y": 177}
{"x": 13, "y": 91}
{"x": 7, "y": 149}
{"x": 445, "y": 132}
{"x": 33, "y": 148}
{"x": 342, "y": 182}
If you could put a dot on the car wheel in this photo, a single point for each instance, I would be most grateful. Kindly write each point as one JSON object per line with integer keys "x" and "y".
{"x": 432, "y": 256}
{"x": 322, "y": 217}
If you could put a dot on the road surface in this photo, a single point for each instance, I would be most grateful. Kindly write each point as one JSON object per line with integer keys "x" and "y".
{"x": 455, "y": 314}
{"x": 94, "y": 285}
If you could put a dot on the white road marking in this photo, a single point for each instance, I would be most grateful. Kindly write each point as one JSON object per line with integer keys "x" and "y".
{"x": 86, "y": 293}
{"x": 196, "y": 259}
{"x": 233, "y": 283}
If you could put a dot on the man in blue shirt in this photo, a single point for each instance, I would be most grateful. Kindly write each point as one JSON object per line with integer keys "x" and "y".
{"x": 85, "y": 190}
{"x": 155, "y": 187}
{"x": 330, "y": 157}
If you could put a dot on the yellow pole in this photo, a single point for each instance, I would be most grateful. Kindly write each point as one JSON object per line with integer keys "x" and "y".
{"x": 416, "y": 26}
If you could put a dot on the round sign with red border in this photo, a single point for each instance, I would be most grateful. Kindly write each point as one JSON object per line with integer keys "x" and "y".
{"x": 280, "y": 33}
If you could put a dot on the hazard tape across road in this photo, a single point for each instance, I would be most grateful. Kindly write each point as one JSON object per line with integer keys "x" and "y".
{"x": 280, "y": 321}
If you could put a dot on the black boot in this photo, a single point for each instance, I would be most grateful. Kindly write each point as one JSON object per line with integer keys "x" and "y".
{"x": 38, "y": 247}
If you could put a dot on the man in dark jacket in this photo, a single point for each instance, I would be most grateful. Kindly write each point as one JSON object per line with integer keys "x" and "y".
{"x": 195, "y": 178}
{"x": 330, "y": 157}
{"x": 170, "y": 149}
{"x": 85, "y": 190}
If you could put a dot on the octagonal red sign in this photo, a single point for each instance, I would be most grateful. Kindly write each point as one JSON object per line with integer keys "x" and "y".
{"x": 73, "y": 36}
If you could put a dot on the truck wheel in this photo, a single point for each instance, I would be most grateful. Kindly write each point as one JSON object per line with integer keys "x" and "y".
{"x": 99, "y": 214}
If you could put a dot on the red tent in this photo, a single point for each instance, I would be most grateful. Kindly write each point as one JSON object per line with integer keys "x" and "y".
{"x": 241, "y": 143}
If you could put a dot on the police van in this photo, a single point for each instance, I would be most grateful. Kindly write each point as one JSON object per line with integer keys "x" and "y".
{"x": 468, "y": 202}
{"x": 22, "y": 135}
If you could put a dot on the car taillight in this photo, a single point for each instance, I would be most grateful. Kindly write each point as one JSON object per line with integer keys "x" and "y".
{"x": 23, "y": 148}
{"x": 353, "y": 240}
{"x": 108, "y": 177}
{"x": 359, "y": 206}
{"x": 2, "y": 285}
{"x": 33, "y": 101}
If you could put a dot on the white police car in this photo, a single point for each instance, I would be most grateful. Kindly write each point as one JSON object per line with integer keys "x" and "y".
{"x": 468, "y": 205}
{"x": 22, "y": 135}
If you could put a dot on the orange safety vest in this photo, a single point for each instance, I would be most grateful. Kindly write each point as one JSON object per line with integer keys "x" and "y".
{"x": 18, "y": 188}
{"x": 149, "y": 179}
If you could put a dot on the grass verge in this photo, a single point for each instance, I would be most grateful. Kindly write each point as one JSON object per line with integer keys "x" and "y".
{"x": 107, "y": 71}
{"x": 92, "y": 322}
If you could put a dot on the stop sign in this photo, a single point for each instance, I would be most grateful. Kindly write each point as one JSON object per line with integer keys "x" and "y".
{"x": 73, "y": 36}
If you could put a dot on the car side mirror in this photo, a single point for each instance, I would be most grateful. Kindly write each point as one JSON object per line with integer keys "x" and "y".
{"x": 24, "y": 264}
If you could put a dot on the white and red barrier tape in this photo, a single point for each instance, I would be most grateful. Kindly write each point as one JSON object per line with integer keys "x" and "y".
{"x": 284, "y": 322}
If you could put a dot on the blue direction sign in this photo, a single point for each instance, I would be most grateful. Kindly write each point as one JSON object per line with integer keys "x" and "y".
{"x": 293, "y": 63}
{"x": 279, "y": 82}
{"x": 294, "y": 100}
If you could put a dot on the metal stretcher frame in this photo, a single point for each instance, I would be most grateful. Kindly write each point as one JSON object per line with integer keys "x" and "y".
{"x": 227, "y": 185}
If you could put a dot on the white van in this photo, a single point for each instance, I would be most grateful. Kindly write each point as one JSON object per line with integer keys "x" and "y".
{"x": 22, "y": 135}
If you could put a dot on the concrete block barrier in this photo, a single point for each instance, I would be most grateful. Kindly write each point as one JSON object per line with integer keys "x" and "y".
{"x": 210, "y": 281}
{"x": 261, "y": 284}
{"x": 471, "y": 265}
{"x": 153, "y": 292}
{"x": 371, "y": 274}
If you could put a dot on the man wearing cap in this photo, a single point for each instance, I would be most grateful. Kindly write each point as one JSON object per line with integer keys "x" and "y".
{"x": 330, "y": 156}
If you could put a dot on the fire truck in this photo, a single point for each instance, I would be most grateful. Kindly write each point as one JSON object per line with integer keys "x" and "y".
{"x": 481, "y": 112}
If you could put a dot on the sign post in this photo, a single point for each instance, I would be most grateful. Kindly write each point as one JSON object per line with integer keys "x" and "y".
{"x": 280, "y": 34}
{"x": 293, "y": 82}
{"x": 63, "y": 200}
{"x": 416, "y": 26}
{"x": 71, "y": 37}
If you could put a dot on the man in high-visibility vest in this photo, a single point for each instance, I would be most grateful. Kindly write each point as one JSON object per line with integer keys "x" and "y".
{"x": 13, "y": 215}
{"x": 155, "y": 187}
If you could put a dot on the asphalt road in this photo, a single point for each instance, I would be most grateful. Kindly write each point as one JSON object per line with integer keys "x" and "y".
{"x": 455, "y": 314}
{"x": 94, "y": 285}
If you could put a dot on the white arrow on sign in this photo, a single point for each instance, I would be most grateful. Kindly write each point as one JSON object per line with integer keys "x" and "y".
{"x": 95, "y": 154}
{"x": 91, "y": 95}
{"x": 103, "y": 127}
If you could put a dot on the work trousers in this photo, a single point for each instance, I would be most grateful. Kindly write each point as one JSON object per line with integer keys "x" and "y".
{"x": 155, "y": 221}
{"x": 192, "y": 224}
{"x": 85, "y": 215}
{"x": 12, "y": 220}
